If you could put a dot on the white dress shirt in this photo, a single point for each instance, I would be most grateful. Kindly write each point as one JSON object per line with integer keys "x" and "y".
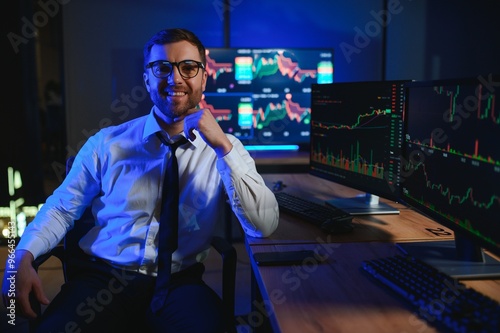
{"x": 119, "y": 173}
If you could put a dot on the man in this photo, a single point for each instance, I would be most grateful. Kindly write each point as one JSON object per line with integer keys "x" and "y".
{"x": 119, "y": 174}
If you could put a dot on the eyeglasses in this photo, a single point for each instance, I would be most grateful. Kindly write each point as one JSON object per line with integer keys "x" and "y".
{"x": 187, "y": 68}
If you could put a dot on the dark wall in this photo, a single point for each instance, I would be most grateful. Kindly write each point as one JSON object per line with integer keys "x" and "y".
{"x": 94, "y": 52}
{"x": 443, "y": 39}
{"x": 462, "y": 38}
{"x": 20, "y": 131}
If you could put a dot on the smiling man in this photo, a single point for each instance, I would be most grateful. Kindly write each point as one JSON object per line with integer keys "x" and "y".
{"x": 119, "y": 173}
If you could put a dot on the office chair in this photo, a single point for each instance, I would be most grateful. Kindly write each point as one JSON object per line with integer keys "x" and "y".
{"x": 70, "y": 250}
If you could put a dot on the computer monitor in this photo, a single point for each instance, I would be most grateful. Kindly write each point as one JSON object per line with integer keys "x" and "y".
{"x": 263, "y": 95}
{"x": 356, "y": 140}
{"x": 451, "y": 171}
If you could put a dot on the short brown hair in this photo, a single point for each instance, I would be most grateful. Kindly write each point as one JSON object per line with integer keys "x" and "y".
{"x": 167, "y": 36}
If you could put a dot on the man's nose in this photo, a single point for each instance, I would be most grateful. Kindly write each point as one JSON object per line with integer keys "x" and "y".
{"x": 175, "y": 76}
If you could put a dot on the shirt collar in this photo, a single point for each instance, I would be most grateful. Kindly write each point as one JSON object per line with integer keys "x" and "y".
{"x": 151, "y": 127}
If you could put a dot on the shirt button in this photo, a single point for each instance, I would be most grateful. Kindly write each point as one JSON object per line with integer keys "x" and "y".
{"x": 149, "y": 242}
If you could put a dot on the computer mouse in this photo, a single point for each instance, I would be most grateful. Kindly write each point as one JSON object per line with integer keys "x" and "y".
{"x": 278, "y": 186}
{"x": 338, "y": 226}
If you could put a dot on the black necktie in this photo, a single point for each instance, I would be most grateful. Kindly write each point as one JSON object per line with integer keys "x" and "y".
{"x": 169, "y": 220}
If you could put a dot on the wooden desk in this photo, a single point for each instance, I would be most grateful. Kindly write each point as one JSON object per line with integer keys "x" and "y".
{"x": 335, "y": 296}
{"x": 406, "y": 226}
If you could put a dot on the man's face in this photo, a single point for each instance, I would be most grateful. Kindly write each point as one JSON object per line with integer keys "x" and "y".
{"x": 175, "y": 96}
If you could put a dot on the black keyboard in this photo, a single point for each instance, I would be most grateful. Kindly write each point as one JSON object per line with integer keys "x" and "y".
{"x": 329, "y": 219}
{"x": 441, "y": 300}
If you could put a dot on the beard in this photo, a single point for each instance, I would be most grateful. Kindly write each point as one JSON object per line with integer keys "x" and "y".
{"x": 173, "y": 108}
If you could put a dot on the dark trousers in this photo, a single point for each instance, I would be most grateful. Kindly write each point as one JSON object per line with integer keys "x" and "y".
{"x": 102, "y": 298}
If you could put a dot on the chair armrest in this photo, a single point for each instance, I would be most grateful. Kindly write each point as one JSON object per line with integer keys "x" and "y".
{"x": 224, "y": 247}
{"x": 57, "y": 252}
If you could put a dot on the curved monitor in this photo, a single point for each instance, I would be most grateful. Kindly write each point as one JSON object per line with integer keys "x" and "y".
{"x": 451, "y": 170}
{"x": 263, "y": 95}
{"x": 356, "y": 139}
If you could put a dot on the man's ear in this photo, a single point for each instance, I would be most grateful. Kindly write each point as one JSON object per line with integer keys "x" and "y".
{"x": 204, "y": 81}
{"x": 145, "y": 78}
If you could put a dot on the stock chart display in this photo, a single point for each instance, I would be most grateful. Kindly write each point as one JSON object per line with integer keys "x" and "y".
{"x": 262, "y": 96}
{"x": 357, "y": 134}
{"x": 452, "y": 160}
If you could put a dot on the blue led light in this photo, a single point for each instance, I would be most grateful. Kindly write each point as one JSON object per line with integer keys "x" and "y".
{"x": 272, "y": 147}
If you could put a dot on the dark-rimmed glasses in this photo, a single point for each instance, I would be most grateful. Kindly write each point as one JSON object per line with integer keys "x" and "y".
{"x": 187, "y": 68}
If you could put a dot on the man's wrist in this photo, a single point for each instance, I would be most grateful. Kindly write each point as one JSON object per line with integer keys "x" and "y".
{"x": 22, "y": 254}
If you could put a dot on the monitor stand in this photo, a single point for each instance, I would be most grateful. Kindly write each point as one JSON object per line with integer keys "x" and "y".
{"x": 459, "y": 258}
{"x": 366, "y": 204}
